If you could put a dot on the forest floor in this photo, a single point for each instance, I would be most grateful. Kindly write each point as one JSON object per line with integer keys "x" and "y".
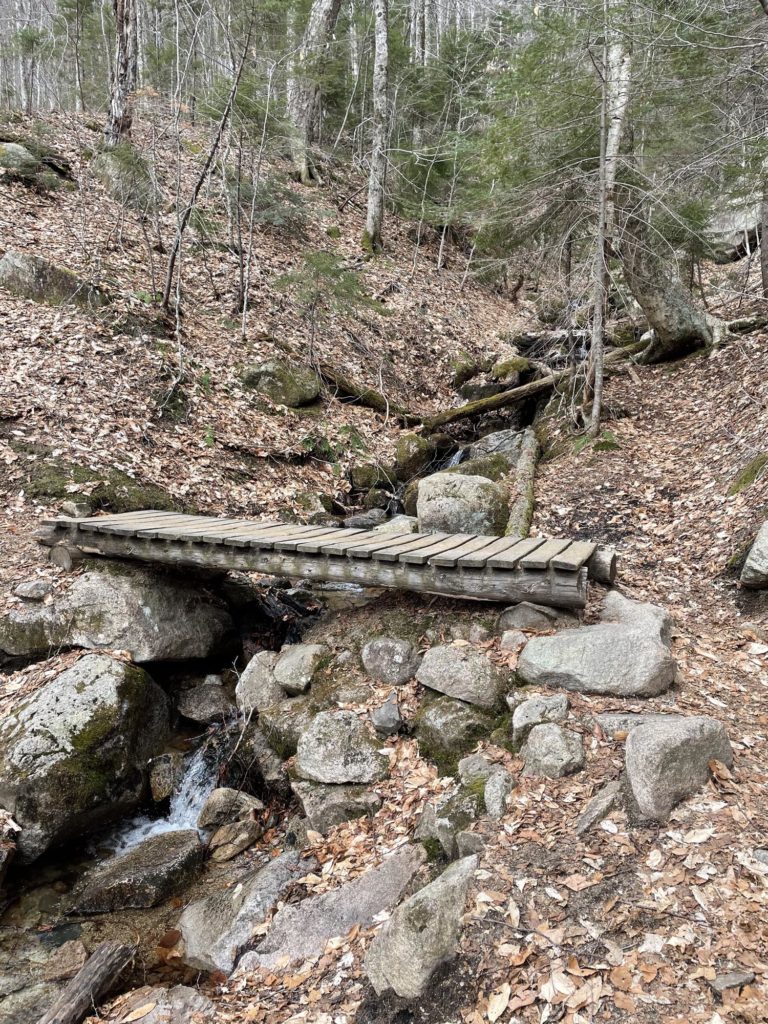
{"x": 624, "y": 924}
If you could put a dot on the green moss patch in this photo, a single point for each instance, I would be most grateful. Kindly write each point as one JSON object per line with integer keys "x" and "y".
{"x": 751, "y": 472}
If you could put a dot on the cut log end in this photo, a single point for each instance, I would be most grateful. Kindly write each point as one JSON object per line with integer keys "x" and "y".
{"x": 602, "y": 565}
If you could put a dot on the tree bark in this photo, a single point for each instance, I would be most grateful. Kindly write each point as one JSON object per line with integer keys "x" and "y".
{"x": 373, "y": 239}
{"x": 97, "y": 978}
{"x": 764, "y": 238}
{"x": 304, "y": 96}
{"x": 124, "y": 73}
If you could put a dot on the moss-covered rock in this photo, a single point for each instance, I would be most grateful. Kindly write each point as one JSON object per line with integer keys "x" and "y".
{"x": 283, "y": 383}
{"x": 413, "y": 454}
{"x": 455, "y": 503}
{"x": 377, "y": 497}
{"x": 464, "y": 368}
{"x": 126, "y": 175}
{"x": 440, "y": 823}
{"x": 447, "y": 729}
{"x": 410, "y": 497}
{"x": 73, "y": 755}
{"x": 33, "y": 277}
{"x": 505, "y": 369}
{"x": 751, "y": 472}
{"x": 33, "y": 164}
{"x": 492, "y": 467}
{"x": 366, "y": 475}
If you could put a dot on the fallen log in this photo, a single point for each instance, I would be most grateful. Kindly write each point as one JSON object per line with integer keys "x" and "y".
{"x": 521, "y": 513}
{"x": 94, "y": 980}
{"x": 348, "y": 388}
{"x": 518, "y": 394}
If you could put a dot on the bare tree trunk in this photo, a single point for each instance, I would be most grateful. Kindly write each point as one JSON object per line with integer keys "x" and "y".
{"x": 764, "y": 237}
{"x": 617, "y": 73}
{"x": 372, "y": 238}
{"x": 304, "y": 97}
{"x": 124, "y": 74}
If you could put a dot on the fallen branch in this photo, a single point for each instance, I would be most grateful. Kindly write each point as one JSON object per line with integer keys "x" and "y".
{"x": 348, "y": 388}
{"x": 521, "y": 513}
{"x": 519, "y": 394}
{"x": 95, "y": 980}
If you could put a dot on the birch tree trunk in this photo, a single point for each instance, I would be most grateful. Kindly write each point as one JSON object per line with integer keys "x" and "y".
{"x": 372, "y": 238}
{"x": 304, "y": 96}
{"x": 124, "y": 73}
{"x": 617, "y": 75}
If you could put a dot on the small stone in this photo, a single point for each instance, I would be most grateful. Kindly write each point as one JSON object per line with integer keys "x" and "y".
{"x": 599, "y": 807}
{"x": 391, "y": 660}
{"x": 762, "y": 856}
{"x": 366, "y": 520}
{"x": 296, "y": 666}
{"x": 398, "y": 524}
{"x": 257, "y": 687}
{"x": 441, "y": 822}
{"x": 733, "y": 979}
{"x": 230, "y": 840}
{"x": 473, "y": 768}
{"x": 551, "y": 751}
{"x": 463, "y": 673}
{"x": 337, "y": 748}
{"x": 165, "y": 773}
{"x": 478, "y": 633}
{"x": 536, "y": 710}
{"x": 205, "y": 704}
{"x": 329, "y": 805}
{"x": 447, "y": 728}
{"x": 512, "y": 639}
{"x": 469, "y": 843}
{"x": 179, "y": 1004}
{"x": 33, "y": 590}
{"x": 497, "y": 788}
{"x": 66, "y": 961}
{"x": 149, "y": 874}
{"x": 386, "y": 719}
{"x": 422, "y": 933}
{"x": 535, "y": 618}
{"x": 76, "y": 509}
{"x": 227, "y": 805}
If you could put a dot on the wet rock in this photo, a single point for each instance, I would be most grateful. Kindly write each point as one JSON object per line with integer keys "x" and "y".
{"x": 497, "y": 788}
{"x": 9, "y": 830}
{"x": 302, "y": 930}
{"x": 296, "y": 666}
{"x": 440, "y": 823}
{"x": 73, "y": 754}
{"x": 154, "y": 616}
{"x": 461, "y": 504}
{"x": 391, "y": 660}
{"x": 665, "y": 762}
{"x": 216, "y": 928}
{"x": 755, "y": 571}
{"x": 150, "y": 873}
{"x": 206, "y": 703}
{"x": 257, "y": 687}
{"x": 534, "y": 618}
{"x": 386, "y": 719}
{"x": 33, "y": 277}
{"x": 226, "y": 805}
{"x": 422, "y": 933}
{"x": 551, "y": 751}
{"x": 230, "y": 840}
{"x": 179, "y": 1004}
{"x": 329, "y": 805}
{"x": 33, "y": 590}
{"x": 337, "y": 748}
{"x": 599, "y": 807}
{"x": 463, "y": 673}
{"x": 474, "y": 768}
{"x": 283, "y": 383}
{"x": 447, "y": 728}
{"x": 536, "y": 710}
{"x": 626, "y": 655}
{"x": 165, "y": 773}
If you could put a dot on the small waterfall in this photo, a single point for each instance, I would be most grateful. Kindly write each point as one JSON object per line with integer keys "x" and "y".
{"x": 455, "y": 459}
{"x": 197, "y": 784}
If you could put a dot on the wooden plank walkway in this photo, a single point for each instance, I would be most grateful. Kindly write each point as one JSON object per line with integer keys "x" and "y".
{"x": 551, "y": 572}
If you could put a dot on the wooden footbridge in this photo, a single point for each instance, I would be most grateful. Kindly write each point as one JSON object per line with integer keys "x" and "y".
{"x": 551, "y": 572}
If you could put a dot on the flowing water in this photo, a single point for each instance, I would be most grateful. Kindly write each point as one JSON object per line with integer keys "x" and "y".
{"x": 196, "y": 785}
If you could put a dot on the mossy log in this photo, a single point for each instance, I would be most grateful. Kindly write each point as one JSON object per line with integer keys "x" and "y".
{"x": 348, "y": 388}
{"x": 519, "y": 394}
{"x": 521, "y": 512}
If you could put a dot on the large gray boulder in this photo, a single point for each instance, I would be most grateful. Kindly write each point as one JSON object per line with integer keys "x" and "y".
{"x": 73, "y": 755}
{"x": 153, "y": 616}
{"x": 205, "y": 703}
{"x": 283, "y": 383}
{"x": 665, "y": 762}
{"x": 755, "y": 571}
{"x": 257, "y": 687}
{"x": 328, "y": 805}
{"x": 302, "y": 930}
{"x": 500, "y": 442}
{"x": 33, "y": 277}
{"x": 454, "y": 503}
{"x": 150, "y": 873}
{"x": 626, "y": 655}
{"x": 337, "y": 748}
{"x": 127, "y": 177}
{"x": 464, "y": 673}
{"x": 422, "y": 934}
{"x": 215, "y": 929}
{"x": 296, "y": 666}
{"x": 390, "y": 659}
{"x": 551, "y": 751}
